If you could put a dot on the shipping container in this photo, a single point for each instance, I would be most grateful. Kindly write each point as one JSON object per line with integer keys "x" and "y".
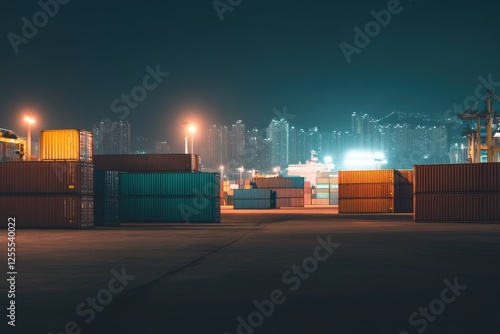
{"x": 159, "y": 209}
{"x": 331, "y": 174}
{"x": 334, "y": 198}
{"x": 321, "y": 180}
{"x": 255, "y": 203}
{"x": 66, "y": 144}
{"x": 47, "y": 177}
{"x": 147, "y": 162}
{"x": 48, "y": 211}
{"x": 458, "y": 178}
{"x": 323, "y": 195}
{"x": 290, "y": 192}
{"x": 170, "y": 184}
{"x": 290, "y": 202}
{"x": 254, "y": 194}
{"x": 367, "y": 176}
{"x": 377, "y": 190}
{"x": 279, "y": 182}
{"x": 374, "y": 205}
{"x": 106, "y": 211}
{"x": 457, "y": 207}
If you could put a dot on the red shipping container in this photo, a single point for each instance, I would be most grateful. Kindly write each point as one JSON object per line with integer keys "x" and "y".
{"x": 47, "y": 211}
{"x": 147, "y": 162}
{"x": 47, "y": 177}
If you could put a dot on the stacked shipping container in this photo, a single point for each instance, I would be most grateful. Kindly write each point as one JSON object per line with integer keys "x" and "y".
{"x": 372, "y": 191}
{"x": 457, "y": 193}
{"x": 69, "y": 145}
{"x": 289, "y": 190}
{"x": 254, "y": 199}
{"x": 147, "y": 162}
{"x": 47, "y": 194}
{"x": 170, "y": 197}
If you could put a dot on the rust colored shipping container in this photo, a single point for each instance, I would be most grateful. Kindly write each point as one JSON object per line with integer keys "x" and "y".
{"x": 307, "y": 184}
{"x": 377, "y": 190}
{"x": 457, "y": 178}
{"x": 366, "y": 205}
{"x": 457, "y": 207}
{"x": 279, "y": 182}
{"x": 367, "y": 176}
{"x": 47, "y": 177}
{"x": 48, "y": 211}
{"x": 290, "y": 202}
{"x": 290, "y": 193}
{"x": 147, "y": 162}
{"x": 66, "y": 144}
{"x": 324, "y": 180}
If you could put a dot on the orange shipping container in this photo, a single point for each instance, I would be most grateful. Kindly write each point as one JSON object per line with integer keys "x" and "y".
{"x": 68, "y": 144}
{"x": 367, "y": 176}
{"x": 457, "y": 178}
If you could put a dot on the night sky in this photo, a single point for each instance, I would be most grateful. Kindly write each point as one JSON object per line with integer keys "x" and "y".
{"x": 263, "y": 55}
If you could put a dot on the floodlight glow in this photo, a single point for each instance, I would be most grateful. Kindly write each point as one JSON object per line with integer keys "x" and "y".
{"x": 328, "y": 160}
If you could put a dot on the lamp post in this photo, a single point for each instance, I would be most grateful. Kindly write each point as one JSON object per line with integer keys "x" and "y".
{"x": 221, "y": 168}
{"x": 30, "y": 121}
{"x": 192, "y": 130}
{"x": 241, "y": 169}
{"x": 185, "y": 137}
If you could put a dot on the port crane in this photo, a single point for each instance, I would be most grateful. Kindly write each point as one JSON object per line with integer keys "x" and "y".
{"x": 8, "y": 139}
{"x": 486, "y": 119}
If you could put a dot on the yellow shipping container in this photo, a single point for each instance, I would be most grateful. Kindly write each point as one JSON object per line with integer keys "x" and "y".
{"x": 68, "y": 144}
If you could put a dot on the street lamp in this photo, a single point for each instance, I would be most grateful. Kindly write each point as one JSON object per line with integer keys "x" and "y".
{"x": 30, "y": 120}
{"x": 192, "y": 130}
{"x": 185, "y": 137}
{"x": 221, "y": 172}
{"x": 241, "y": 169}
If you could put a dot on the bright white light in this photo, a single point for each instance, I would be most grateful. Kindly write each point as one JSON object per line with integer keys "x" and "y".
{"x": 364, "y": 159}
{"x": 328, "y": 160}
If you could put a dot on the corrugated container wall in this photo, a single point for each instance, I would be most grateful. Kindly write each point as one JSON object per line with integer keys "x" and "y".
{"x": 170, "y": 184}
{"x": 147, "y": 162}
{"x": 169, "y": 209}
{"x": 479, "y": 177}
{"x": 48, "y": 211}
{"x": 457, "y": 193}
{"x": 67, "y": 144}
{"x": 279, "y": 182}
{"x": 47, "y": 177}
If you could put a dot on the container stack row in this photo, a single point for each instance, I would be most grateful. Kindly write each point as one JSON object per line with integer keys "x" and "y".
{"x": 106, "y": 198}
{"x": 457, "y": 193}
{"x": 161, "y": 188}
{"x": 289, "y": 190}
{"x": 255, "y": 199}
{"x": 47, "y": 194}
{"x": 375, "y": 191}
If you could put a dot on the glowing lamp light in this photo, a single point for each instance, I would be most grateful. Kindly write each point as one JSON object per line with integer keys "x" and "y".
{"x": 328, "y": 160}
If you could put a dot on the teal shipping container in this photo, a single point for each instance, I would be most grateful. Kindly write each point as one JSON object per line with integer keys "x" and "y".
{"x": 170, "y": 184}
{"x": 169, "y": 209}
{"x": 253, "y": 194}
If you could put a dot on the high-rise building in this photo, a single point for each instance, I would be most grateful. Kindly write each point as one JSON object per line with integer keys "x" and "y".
{"x": 237, "y": 144}
{"x": 112, "y": 138}
{"x": 141, "y": 145}
{"x": 279, "y": 137}
{"x": 217, "y": 146}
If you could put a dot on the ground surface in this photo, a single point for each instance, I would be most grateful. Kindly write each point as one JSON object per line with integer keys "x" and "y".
{"x": 205, "y": 279}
